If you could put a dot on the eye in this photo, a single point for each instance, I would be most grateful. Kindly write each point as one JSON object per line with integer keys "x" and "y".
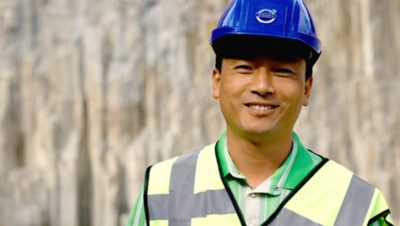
{"x": 243, "y": 69}
{"x": 284, "y": 72}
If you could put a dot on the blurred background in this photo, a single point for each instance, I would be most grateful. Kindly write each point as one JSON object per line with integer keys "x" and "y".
{"x": 93, "y": 91}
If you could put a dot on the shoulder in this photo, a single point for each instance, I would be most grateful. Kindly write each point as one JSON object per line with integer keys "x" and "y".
{"x": 333, "y": 187}
{"x": 181, "y": 170}
{"x": 341, "y": 169}
{"x": 193, "y": 154}
{"x": 337, "y": 170}
{"x": 359, "y": 191}
{"x": 188, "y": 160}
{"x": 331, "y": 177}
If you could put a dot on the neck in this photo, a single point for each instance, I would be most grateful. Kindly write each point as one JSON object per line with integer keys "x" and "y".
{"x": 258, "y": 159}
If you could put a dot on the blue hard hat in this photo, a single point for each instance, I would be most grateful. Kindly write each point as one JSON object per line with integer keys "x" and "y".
{"x": 284, "y": 20}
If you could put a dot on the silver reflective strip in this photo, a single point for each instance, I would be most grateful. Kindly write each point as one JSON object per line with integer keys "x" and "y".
{"x": 181, "y": 187}
{"x": 287, "y": 217}
{"x": 158, "y": 207}
{"x": 198, "y": 205}
{"x": 181, "y": 205}
{"x": 356, "y": 203}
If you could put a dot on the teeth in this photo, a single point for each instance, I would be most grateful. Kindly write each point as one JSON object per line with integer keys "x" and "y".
{"x": 260, "y": 107}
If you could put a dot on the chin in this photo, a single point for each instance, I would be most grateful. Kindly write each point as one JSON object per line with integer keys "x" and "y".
{"x": 264, "y": 132}
{"x": 259, "y": 127}
{"x": 258, "y": 131}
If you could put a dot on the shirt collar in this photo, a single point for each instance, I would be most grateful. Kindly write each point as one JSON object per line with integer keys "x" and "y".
{"x": 294, "y": 169}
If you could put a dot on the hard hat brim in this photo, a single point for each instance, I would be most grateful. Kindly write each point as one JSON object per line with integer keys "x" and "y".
{"x": 245, "y": 46}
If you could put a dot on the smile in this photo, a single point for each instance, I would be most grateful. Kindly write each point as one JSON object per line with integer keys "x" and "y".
{"x": 259, "y": 107}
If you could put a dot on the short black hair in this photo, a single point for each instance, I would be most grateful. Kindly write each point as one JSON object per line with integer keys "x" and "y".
{"x": 247, "y": 46}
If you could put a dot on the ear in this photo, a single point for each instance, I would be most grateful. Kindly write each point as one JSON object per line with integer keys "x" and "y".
{"x": 216, "y": 80}
{"x": 307, "y": 91}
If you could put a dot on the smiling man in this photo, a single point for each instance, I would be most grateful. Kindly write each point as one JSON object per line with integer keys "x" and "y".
{"x": 259, "y": 172}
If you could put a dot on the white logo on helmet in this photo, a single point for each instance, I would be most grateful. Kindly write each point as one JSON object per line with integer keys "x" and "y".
{"x": 266, "y": 16}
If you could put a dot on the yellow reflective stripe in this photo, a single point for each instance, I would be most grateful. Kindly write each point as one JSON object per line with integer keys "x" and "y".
{"x": 207, "y": 167}
{"x": 313, "y": 199}
{"x": 378, "y": 206}
{"x": 212, "y": 220}
{"x": 159, "y": 223}
{"x": 389, "y": 219}
{"x": 160, "y": 175}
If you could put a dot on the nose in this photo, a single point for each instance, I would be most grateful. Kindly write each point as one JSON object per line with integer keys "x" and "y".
{"x": 262, "y": 84}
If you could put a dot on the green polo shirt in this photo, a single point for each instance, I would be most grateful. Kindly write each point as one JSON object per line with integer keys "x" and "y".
{"x": 256, "y": 204}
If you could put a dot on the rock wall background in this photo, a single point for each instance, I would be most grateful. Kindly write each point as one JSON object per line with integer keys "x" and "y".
{"x": 93, "y": 91}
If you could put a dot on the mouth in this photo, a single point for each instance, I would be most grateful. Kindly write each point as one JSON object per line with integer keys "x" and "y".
{"x": 262, "y": 107}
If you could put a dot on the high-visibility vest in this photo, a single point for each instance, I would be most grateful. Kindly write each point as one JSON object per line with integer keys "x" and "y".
{"x": 188, "y": 190}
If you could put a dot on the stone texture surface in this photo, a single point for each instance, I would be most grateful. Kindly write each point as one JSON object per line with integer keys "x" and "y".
{"x": 93, "y": 91}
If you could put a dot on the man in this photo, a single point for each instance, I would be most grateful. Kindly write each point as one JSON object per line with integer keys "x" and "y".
{"x": 259, "y": 173}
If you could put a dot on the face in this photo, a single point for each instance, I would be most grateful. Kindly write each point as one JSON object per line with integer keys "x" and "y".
{"x": 261, "y": 96}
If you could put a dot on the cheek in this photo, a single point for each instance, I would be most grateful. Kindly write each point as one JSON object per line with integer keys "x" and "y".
{"x": 227, "y": 88}
{"x": 287, "y": 85}
{"x": 291, "y": 92}
{"x": 225, "y": 95}
{"x": 230, "y": 94}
